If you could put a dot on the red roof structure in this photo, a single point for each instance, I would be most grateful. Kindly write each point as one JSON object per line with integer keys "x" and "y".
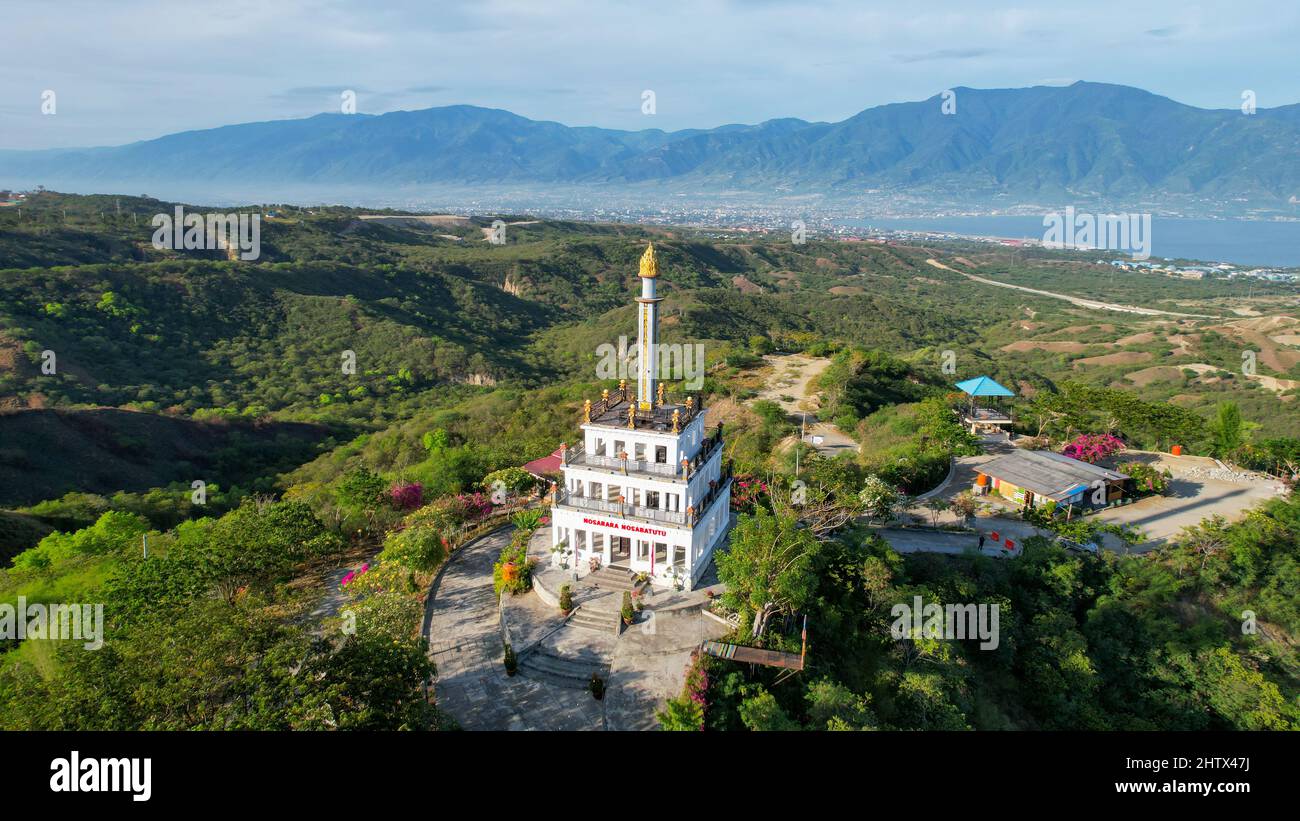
{"x": 547, "y": 466}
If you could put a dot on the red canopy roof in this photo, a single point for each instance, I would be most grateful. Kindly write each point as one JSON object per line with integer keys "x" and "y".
{"x": 547, "y": 465}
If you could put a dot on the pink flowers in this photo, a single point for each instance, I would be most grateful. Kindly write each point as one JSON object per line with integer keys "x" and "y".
{"x": 474, "y": 506}
{"x": 406, "y": 496}
{"x": 352, "y": 574}
{"x": 1091, "y": 447}
{"x": 697, "y": 685}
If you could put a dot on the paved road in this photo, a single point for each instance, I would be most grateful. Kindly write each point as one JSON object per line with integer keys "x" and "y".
{"x": 462, "y": 625}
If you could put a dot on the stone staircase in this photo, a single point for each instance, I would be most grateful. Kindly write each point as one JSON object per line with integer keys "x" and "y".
{"x": 605, "y": 621}
{"x": 572, "y": 671}
{"x": 615, "y": 579}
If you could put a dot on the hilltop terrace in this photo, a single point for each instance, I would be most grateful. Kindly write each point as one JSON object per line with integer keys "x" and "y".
{"x": 618, "y": 410}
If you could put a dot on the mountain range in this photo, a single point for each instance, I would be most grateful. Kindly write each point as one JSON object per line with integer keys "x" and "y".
{"x": 1073, "y": 143}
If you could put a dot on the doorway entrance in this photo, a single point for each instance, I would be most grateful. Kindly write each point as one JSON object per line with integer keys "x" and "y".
{"x": 620, "y": 551}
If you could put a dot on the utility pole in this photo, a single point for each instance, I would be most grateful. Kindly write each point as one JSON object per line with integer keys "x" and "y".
{"x": 144, "y": 541}
{"x": 803, "y": 418}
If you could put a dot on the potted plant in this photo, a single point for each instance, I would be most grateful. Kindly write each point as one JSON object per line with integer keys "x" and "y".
{"x": 593, "y": 563}
{"x": 512, "y": 663}
{"x": 566, "y": 600}
{"x": 627, "y": 612}
{"x": 596, "y": 686}
{"x": 637, "y": 603}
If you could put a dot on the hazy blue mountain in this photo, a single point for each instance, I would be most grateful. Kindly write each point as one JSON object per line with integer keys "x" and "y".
{"x": 1084, "y": 140}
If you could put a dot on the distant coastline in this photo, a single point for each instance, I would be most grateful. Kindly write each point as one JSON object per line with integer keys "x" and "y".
{"x": 1245, "y": 242}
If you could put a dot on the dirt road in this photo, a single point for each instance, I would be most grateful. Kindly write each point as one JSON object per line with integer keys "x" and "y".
{"x": 788, "y": 387}
{"x": 1080, "y": 301}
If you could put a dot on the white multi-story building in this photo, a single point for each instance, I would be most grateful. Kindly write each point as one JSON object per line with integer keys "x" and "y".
{"x": 646, "y": 490}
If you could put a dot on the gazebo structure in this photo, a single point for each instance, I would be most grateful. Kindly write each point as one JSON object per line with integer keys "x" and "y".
{"x": 984, "y": 417}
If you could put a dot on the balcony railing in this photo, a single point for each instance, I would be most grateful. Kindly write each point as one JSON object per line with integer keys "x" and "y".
{"x": 566, "y": 499}
{"x": 578, "y": 456}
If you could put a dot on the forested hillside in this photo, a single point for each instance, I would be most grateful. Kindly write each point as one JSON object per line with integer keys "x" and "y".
{"x": 128, "y": 373}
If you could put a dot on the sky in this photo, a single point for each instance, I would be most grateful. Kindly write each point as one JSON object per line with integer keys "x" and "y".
{"x": 128, "y": 70}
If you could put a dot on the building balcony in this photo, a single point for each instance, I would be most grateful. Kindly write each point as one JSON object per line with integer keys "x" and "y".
{"x": 579, "y": 457}
{"x": 564, "y": 498}
{"x": 628, "y": 511}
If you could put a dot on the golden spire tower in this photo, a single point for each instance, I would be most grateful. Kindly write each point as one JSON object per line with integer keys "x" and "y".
{"x": 647, "y": 331}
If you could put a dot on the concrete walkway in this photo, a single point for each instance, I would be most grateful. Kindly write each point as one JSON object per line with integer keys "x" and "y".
{"x": 647, "y": 662}
{"x": 463, "y": 628}
{"x": 906, "y": 540}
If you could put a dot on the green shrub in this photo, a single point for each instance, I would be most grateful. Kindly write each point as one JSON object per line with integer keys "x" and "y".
{"x": 418, "y": 547}
{"x": 527, "y": 520}
{"x": 513, "y": 571}
{"x": 566, "y": 599}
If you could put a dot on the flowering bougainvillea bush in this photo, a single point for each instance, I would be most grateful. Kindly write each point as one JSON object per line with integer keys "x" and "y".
{"x": 1090, "y": 447}
{"x": 1146, "y": 478}
{"x": 747, "y": 491}
{"x": 473, "y": 506}
{"x": 352, "y": 574}
{"x": 687, "y": 711}
{"x": 380, "y": 599}
{"x": 406, "y": 495}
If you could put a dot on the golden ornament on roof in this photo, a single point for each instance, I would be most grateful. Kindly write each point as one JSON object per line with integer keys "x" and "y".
{"x": 649, "y": 265}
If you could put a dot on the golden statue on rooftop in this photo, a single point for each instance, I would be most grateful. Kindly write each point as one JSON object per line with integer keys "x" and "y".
{"x": 661, "y": 393}
{"x": 677, "y": 420}
{"x": 586, "y": 411}
{"x": 631, "y": 417}
{"x": 649, "y": 265}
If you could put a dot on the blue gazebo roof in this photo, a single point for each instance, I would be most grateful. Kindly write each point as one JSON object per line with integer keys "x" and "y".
{"x": 983, "y": 386}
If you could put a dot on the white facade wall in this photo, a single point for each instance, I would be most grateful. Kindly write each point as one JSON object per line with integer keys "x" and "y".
{"x": 657, "y": 541}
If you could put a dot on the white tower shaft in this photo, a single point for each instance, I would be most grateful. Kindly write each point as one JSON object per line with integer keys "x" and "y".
{"x": 647, "y": 332}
